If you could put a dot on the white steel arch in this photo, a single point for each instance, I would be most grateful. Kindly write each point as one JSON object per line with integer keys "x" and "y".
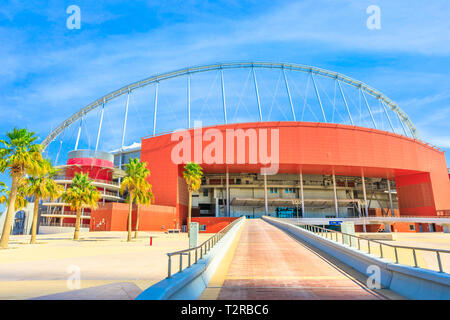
{"x": 313, "y": 71}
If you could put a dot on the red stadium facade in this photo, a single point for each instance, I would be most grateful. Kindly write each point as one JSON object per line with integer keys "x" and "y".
{"x": 419, "y": 170}
{"x": 312, "y": 170}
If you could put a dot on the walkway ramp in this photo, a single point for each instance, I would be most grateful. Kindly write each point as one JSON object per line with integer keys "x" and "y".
{"x": 266, "y": 263}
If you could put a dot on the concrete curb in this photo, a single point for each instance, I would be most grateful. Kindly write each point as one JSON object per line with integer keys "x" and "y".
{"x": 191, "y": 282}
{"x": 410, "y": 282}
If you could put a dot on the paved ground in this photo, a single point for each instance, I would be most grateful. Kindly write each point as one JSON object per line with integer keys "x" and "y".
{"x": 269, "y": 264}
{"x": 425, "y": 259}
{"x": 109, "y": 266}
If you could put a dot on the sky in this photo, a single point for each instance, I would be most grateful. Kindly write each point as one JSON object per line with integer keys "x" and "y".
{"x": 49, "y": 71}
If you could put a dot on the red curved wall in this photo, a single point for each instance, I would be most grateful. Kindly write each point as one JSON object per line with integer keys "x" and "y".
{"x": 420, "y": 171}
{"x": 95, "y": 168}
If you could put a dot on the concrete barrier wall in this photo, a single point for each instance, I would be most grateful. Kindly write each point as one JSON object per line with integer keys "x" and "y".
{"x": 191, "y": 282}
{"x": 409, "y": 282}
{"x": 56, "y": 229}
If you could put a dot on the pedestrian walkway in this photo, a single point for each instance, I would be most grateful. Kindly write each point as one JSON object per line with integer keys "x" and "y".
{"x": 266, "y": 263}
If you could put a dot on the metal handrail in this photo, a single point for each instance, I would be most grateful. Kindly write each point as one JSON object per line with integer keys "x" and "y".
{"x": 57, "y": 224}
{"x": 369, "y": 218}
{"x": 67, "y": 212}
{"x": 63, "y": 177}
{"x": 323, "y": 232}
{"x": 200, "y": 250}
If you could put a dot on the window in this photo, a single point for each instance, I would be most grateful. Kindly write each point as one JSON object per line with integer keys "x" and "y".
{"x": 205, "y": 192}
{"x": 202, "y": 227}
{"x": 412, "y": 227}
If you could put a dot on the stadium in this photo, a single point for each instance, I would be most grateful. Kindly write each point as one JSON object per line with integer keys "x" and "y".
{"x": 274, "y": 139}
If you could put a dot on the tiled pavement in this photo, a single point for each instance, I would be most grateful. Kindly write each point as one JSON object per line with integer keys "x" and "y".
{"x": 269, "y": 264}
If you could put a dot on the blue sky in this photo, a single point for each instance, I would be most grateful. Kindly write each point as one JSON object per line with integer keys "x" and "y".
{"x": 48, "y": 72}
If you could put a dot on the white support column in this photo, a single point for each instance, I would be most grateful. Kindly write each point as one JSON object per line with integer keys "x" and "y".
{"x": 302, "y": 196}
{"x": 79, "y": 133}
{"x": 366, "y": 209}
{"x": 368, "y": 108}
{"x": 156, "y": 108}
{"x": 104, "y": 193}
{"x": 336, "y": 207}
{"x": 390, "y": 197}
{"x": 223, "y": 97}
{"x": 345, "y": 102}
{"x": 318, "y": 97}
{"x": 100, "y": 126}
{"x": 403, "y": 126}
{"x": 257, "y": 94}
{"x": 289, "y": 94}
{"x": 227, "y": 191}
{"x": 124, "y": 128}
{"x": 63, "y": 207}
{"x": 387, "y": 115}
{"x": 189, "y": 99}
{"x": 217, "y": 207}
{"x": 266, "y": 206}
{"x": 59, "y": 149}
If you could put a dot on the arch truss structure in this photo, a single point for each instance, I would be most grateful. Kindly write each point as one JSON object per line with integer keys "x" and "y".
{"x": 226, "y": 93}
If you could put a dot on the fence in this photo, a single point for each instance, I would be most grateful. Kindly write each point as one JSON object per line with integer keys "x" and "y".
{"x": 198, "y": 251}
{"x": 57, "y": 224}
{"x": 428, "y": 258}
{"x": 63, "y": 177}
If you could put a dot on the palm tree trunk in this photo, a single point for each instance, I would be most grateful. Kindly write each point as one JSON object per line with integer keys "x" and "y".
{"x": 10, "y": 213}
{"x": 76, "y": 234}
{"x": 137, "y": 222}
{"x": 189, "y": 211}
{"x": 35, "y": 220}
{"x": 129, "y": 217}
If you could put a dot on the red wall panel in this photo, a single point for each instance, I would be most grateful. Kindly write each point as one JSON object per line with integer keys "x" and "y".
{"x": 319, "y": 148}
{"x": 114, "y": 217}
{"x": 213, "y": 224}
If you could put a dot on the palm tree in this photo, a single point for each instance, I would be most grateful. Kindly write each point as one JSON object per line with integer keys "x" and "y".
{"x": 3, "y": 192}
{"x": 81, "y": 194}
{"x": 42, "y": 186}
{"x": 21, "y": 197}
{"x": 142, "y": 196}
{"x": 135, "y": 183}
{"x": 193, "y": 174}
{"x": 19, "y": 155}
